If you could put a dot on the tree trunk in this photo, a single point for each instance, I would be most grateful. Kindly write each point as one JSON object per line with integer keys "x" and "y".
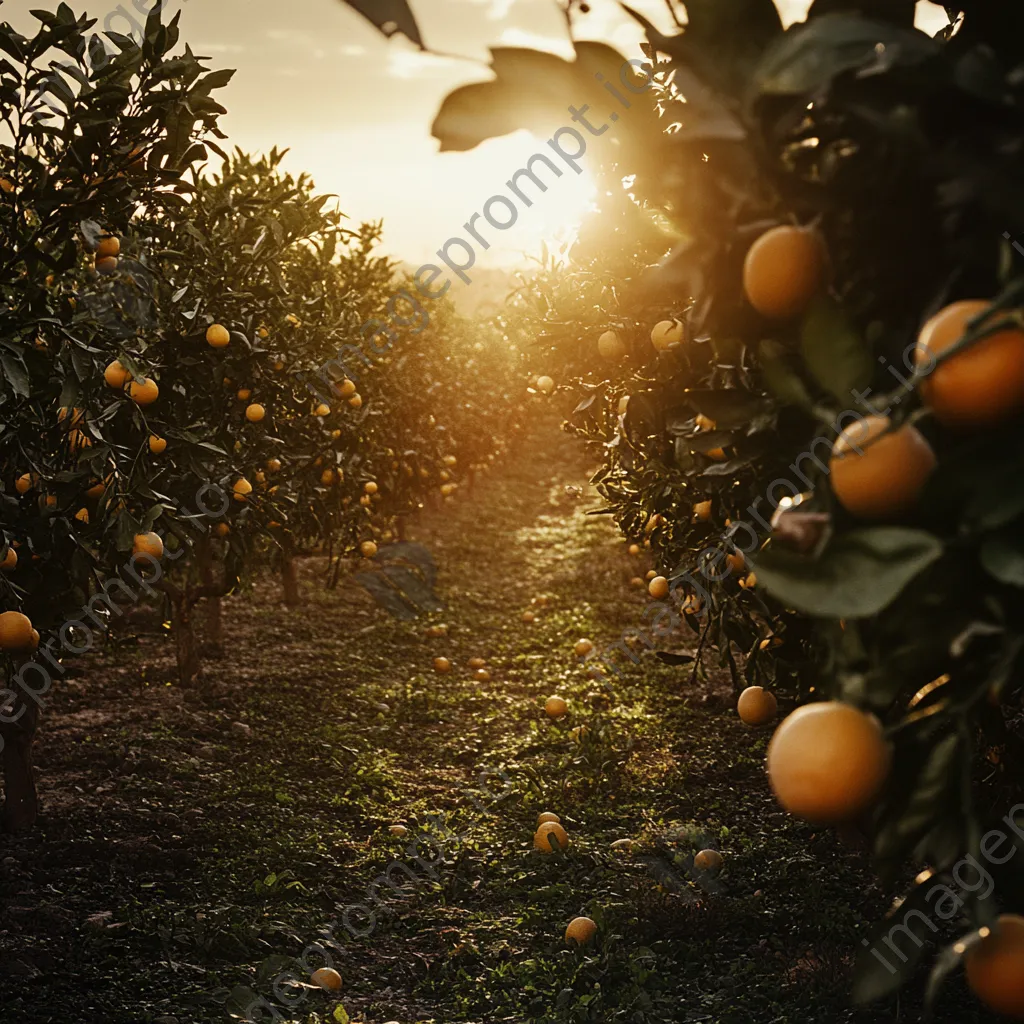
{"x": 290, "y": 574}
{"x": 185, "y": 640}
{"x": 21, "y": 802}
{"x": 214, "y": 610}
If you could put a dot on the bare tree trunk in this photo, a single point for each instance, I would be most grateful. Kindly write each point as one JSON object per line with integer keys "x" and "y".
{"x": 185, "y": 639}
{"x": 21, "y": 802}
{"x": 290, "y": 573}
{"x": 214, "y": 610}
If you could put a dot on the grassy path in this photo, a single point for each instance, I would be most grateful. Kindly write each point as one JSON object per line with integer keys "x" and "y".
{"x": 193, "y": 847}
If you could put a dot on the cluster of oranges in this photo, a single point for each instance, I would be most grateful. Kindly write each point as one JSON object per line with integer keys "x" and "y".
{"x": 877, "y": 470}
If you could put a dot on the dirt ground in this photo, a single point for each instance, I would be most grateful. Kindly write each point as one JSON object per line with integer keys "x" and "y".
{"x": 195, "y": 843}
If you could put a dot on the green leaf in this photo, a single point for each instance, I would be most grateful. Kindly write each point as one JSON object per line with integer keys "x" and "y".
{"x": 807, "y": 57}
{"x": 782, "y": 380}
{"x": 17, "y": 373}
{"x": 341, "y": 1014}
{"x": 858, "y": 574}
{"x": 1002, "y": 555}
{"x": 833, "y": 351}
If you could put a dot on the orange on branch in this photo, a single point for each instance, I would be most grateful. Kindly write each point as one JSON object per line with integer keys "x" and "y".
{"x": 783, "y": 270}
{"x": 217, "y": 336}
{"x": 995, "y": 967}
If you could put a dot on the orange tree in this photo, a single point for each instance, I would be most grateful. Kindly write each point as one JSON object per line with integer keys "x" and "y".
{"x": 91, "y": 136}
{"x": 842, "y": 194}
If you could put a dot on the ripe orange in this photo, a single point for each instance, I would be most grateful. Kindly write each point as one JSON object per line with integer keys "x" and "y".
{"x": 106, "y": 265}
{"x": 143, "y": 392}
{"x": 148, "y": 544}
{"x": 242, "y": 489}
{"x": 783, "y": 270}
{"x": 702, "y": 511}
{"x": 109, "y": 246}
{"x": 26, "y": 482}
{"x": 749, "y": 582}
{"x": 217, "y": 336}
{"x": 735, "y": 561}
{"x": 634, "y": 549}
{"x": 368, "y": 549}
{"x": 611, "y": 347}
{"x": 658, "y": 588}
{"x": 827, "y": 762}
{"x": 116, "y": 375}
{"x": 273, "y": 465}
{"x": 543, "y": 840}
{"x": 481, "y": 675}
{"x": 529, "y": 616}
{"x": 356, "y": 401}
{"x": 323, "y": 409}
{"x": 255, "y": 413}
{"x": 10, "y": 560}
{"x": 581, "y": 930}
{"x": 222, "y": 529}
{"x": 547, "y": 816}
{"x": 370, "y": 487}
{"x": 637, "y": 581}
{"x": 888, "y": 476}
{"x": 450, "y": 460}
{"x": 709, "y": 860}
{"x": 979, "y": 386}
{"x": 16, "y": 632}
{"x": 757, "y": 706}
{"x": 583, "y": 647}
{"x": 346, "y": 389}
{"x": 82, "y": 515}
{"x": 650, "y": 574}
{"x": 327, "y": 978}
{"x": 440, "y": 629}
{"x": 704, "y": 422}
{"x": 327, "y": 477}
{"x": 157, "y": 445}
{"x": 244, "y": 394}
{"x": 995, "y": 967}
{"x": 545, "y": 385}
{"x": 666, "y": 333}
{"x": 442, "y": 665}
{"x": 555, "y": 707}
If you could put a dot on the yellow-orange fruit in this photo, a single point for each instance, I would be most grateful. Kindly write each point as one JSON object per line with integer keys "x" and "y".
{"x": 709, "y": 860}
{"x": 782, "y": 271}
{"x": 255, "y": 412}
{"x": 666, "y": 333}
{"x": 148, "y": 544}
{"x": 16, "y": 632}
{"x": 327, "y": 978}
{"x": 583, "y": 647}
{"x": 735, "y": 561}
{"x": 157, "y": 445}
{"x": 658, "y": 588}
{"x": 702, "y": 511}
{"x": 327, "y": 477}
{"x": 580, "y": 930}
{"x": 106, "y": 265}
{"x": 26, "y": 482}
{"x": 477, "y": 663}
{"x": 217, "y": 336}
{"x": 555, "y": 707}
{"x": 109, "y": 246}
{"x": 481, "y": 675}
{"x": 757, "y": 706}
{"x": 222, "y": 529}
{"x": 116, "y": 375}
{"x": 244, "y": 394}
{"x": 10, "y": 560}
{"x": 323, "y": 409}
{"x": 442, "y": 665}
{"x": 828, "y": 762}
{"x": 273, "y": 465}
{"x": 143, "y": 392}
{"x": 546, "y": 816}
{"x": 551, "y": 836}
{"x": 611, "y": 347}
{"x": 242, "y": 489}
{"x": 356, "y": 401}
{"x": 545, "y": 385}
{"x": 347, "y": 388}
{"x": 979, "y": 386}
{"x": 370, "y": 487}
{"x": 995, "y": 967}
{"x": 876, "y": 472}
{"x": 368, "y": 549}
{"x": 528, "y": 616}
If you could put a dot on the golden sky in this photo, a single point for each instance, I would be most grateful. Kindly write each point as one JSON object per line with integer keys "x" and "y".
{"x": 355, "y": 109}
